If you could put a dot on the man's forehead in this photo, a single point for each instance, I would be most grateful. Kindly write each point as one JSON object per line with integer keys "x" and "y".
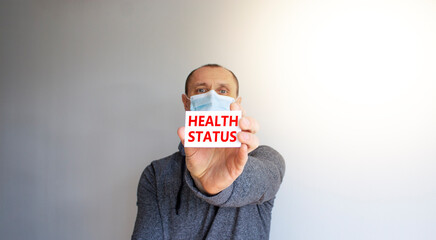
{"x": 207, "y": 71}
{"x": 217, "y": 82}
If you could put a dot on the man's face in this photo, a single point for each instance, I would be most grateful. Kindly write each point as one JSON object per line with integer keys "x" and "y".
{"x": 210, "y": 78}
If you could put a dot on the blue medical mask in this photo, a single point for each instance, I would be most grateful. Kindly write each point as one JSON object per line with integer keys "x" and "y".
{"x": 210, "y": 101}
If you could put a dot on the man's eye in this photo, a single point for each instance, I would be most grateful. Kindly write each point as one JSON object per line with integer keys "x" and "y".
{"x": 201, "y": 90}
{"x": 223, "y": 91}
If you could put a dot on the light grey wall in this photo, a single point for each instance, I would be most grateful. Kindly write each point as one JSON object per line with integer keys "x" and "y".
{"x": 90, "y": 95}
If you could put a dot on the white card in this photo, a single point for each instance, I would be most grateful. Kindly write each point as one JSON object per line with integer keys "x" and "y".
{"x": 212, "y": 129}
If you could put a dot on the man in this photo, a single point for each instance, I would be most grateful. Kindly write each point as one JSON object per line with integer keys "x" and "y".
{"x": 211, "y": 193}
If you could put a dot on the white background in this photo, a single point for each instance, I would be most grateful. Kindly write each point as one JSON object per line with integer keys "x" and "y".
{"x": 90, "y": 94}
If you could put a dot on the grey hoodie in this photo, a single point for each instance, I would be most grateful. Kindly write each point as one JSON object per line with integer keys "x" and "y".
{"x": 171, "y": 207}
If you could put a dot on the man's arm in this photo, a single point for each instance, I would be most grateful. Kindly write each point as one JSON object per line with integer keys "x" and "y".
{"x": 215, "y": 169}
{"x": 258, "y": 183}
{"x": 148, "y": 223}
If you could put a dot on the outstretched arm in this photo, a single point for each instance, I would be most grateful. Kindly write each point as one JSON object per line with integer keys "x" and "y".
{"x": 258, "y": 183}
{"x": 215, "y": 169}
{"x": 235, "y": 176}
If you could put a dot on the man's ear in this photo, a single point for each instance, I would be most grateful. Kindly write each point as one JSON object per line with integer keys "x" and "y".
{"x": 238, "y": 100}
{"x": 186, "y": 102}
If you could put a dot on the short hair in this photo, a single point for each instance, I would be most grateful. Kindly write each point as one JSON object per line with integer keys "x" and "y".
{"x": 213, "y": 65}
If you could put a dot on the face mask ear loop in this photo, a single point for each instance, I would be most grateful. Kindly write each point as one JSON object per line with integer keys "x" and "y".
{"x": 187, "y": 97}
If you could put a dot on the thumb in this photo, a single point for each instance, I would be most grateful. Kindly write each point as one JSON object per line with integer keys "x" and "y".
{"x": 181, "y": 133}
{"x": 242, "y": 157}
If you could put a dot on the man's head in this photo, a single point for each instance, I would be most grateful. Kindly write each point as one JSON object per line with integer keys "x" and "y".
{"x": 210, "y": 77}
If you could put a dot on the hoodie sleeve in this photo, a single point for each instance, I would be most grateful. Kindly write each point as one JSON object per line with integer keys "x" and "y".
{"x": 258, "y": 183}
{"x": 148, "y": 223}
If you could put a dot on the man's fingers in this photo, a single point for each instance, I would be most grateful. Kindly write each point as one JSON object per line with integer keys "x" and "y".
{"x": 250, "y": 139}
{"x": 249, "y": 124}
{"x": 246, "y": 123}
{"x": 181, "y": 133}
{"x": 236, "y": 106}
{"x": 249, "y": 127}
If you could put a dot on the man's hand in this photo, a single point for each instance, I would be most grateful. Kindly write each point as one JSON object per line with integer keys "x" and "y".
{"x": 214, "y": 169}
